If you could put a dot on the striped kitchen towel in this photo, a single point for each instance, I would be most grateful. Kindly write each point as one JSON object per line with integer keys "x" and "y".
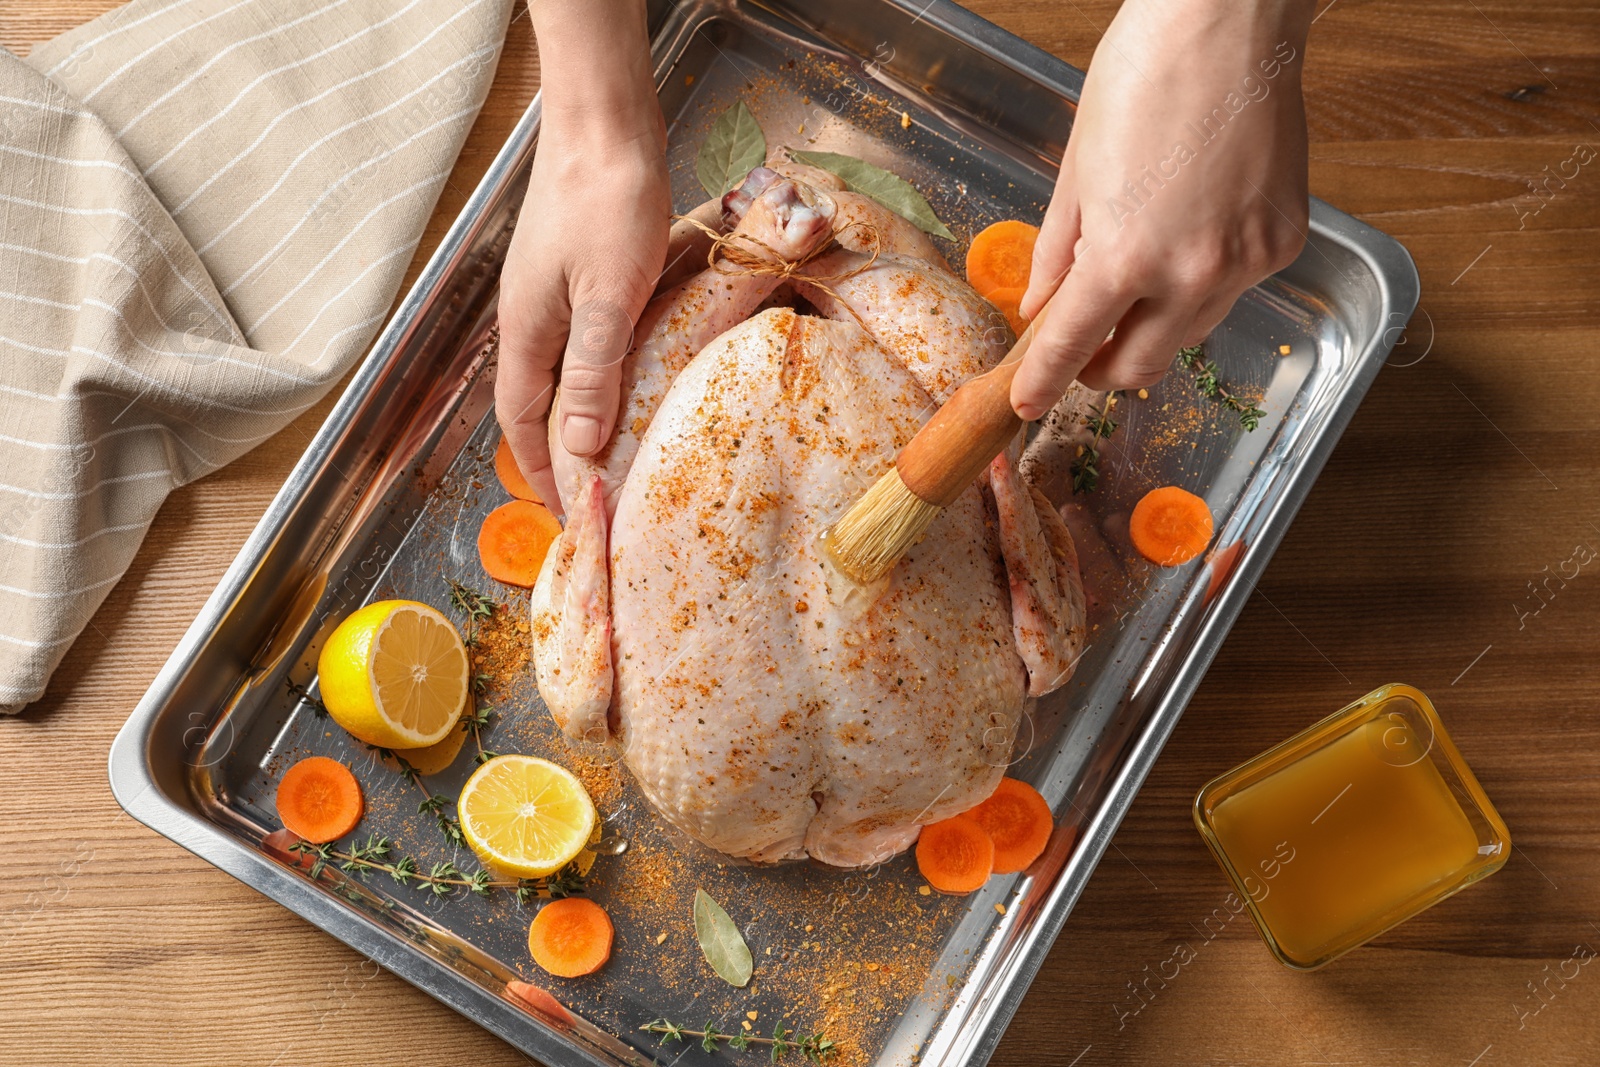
{"x": 206, "y": 209}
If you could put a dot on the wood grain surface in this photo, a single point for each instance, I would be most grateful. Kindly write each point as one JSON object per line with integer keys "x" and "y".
{"x": 1470, "y": 471}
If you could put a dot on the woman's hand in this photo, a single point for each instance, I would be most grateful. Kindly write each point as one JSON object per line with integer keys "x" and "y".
{"x": 1183, "y": 184}
{"x": 591, "y": 237}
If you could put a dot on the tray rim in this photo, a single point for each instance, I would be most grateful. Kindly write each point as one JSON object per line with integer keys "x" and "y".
{"x": 133, "y": 781}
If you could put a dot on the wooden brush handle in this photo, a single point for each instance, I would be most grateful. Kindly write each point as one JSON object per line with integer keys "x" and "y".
{"x": 965, "y": 435}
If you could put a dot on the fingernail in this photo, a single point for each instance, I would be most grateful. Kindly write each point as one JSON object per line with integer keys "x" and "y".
{"x": 581, "y": 434}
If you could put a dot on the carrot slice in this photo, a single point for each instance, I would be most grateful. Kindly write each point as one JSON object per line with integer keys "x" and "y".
{"x": 570, "y": 937}
{"x": 1008, "y": 302}
{"x": 1018, "y": 821}
{"x": 510, "y": 475}
{"x": 1222, "y": 561}
{"x": 1001, "y": 256}
{"x": 541, "y": 1001}
{"x": 955, "y": 855}
{"x": 1170, "y": 526}
{"x": 514, "y": 539}
{"x": 319, "y": 800}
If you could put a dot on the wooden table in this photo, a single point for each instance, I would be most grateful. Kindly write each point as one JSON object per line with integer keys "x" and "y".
{"x": 1469, "y": 472}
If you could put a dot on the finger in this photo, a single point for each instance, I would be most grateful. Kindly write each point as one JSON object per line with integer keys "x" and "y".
{"x": 530, "y": 447}
{"x": 528, "y": 393}
{"x": 531, "y": 332}
{"x": 688, "y": 243}
{"x": 1143, "y": 348}
{"x": 1066, "y": 334}
{"x": 599, "y": 337}
{"x": 1055, "y": 248}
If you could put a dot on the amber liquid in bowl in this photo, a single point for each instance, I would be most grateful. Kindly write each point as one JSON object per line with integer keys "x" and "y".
{"x": 1351, "y": 827}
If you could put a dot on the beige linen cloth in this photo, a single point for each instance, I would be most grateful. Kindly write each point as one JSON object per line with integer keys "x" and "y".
{"x": 206, "y": 209}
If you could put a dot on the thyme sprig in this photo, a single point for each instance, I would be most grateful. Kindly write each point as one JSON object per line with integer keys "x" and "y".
{"x": 479, "y": 718}
{"x": 442, "y": 879}
{"x": 475, "y": 721}
{"x": 434, "y": 804}
{"x": 1086, "y": 467}
{"x": 816, "y": 1047}
{"x": 437, "y": 805}
{"x": 475, "y": 608}
{"x": 474, "y": 605}
{"x": 1207, "y": 382}
{"x": 567, "y": 882}
{"x": 305, "y": 696}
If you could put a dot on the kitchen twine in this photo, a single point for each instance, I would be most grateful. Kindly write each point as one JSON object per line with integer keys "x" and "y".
{"x": 749, "y": 261}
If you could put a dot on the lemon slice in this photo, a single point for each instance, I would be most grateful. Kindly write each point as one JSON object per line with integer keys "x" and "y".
{"x": 436, "y": 758}
{"x": 525, "y": 816}
{"x": 394, "y": 674}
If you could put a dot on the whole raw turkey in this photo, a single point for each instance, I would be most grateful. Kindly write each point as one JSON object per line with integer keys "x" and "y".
{"x": 765, "y": 706}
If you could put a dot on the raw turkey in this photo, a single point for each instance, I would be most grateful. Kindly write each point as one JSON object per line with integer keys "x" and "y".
{"x": 766, "y": 707}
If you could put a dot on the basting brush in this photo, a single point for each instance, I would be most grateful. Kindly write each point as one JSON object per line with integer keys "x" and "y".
{"x": 952, "y": 448}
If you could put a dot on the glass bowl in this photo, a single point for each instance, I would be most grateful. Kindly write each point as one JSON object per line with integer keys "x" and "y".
{"x": 1351, "y": 827}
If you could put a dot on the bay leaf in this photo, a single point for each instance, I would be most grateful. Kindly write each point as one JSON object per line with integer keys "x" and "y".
{"x": 734, "y": 147}
{"x": 720, "y": 940}
{"x": 890, "y": 190}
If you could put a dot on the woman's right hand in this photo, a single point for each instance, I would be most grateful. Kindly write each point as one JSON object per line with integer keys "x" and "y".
{"x": 591, "y": 237}
{"x": 1183, "y": 185}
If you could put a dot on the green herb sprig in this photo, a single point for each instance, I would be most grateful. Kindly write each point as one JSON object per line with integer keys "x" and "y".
{"x": 733, "y": 148}
{"x": 1086, "y": 467}
{"x": 475, "y": 607}
{"x": 1207, "y": 382}
{"x": 435, "y": 804}
{"x": 443, "y": 879}
{"x": 471, "y": 603}
{"x": 817, "y": 1048}
{"x": 305, "y": 696}
{"x": 475, "y": 721}
{"x": 567, "y": 882}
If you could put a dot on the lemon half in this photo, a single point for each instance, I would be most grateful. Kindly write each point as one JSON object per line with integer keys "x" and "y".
{"x": 394, "y": 674}
{"x": 525, "y": 816}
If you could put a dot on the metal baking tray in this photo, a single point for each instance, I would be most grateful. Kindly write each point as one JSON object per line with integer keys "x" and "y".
{"x": 387, "y": 499}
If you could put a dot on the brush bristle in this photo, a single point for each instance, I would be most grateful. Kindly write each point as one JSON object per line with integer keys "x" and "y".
{"x": 878, "y": 529}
